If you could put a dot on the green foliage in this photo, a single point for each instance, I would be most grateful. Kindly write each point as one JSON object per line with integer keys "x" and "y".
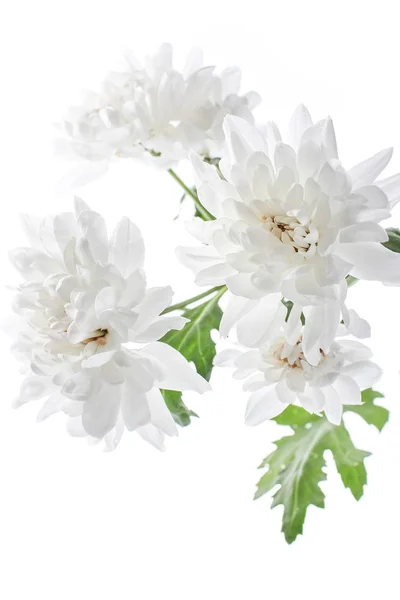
{"x": 369, "y": 411}
{"x": 180, "y": 412}
{"x": 393, "y": 242}
{"x": 297, "y": 463}
{"x": 195, "y": 344}
{"x": 202, "y": 212}
{"x": 350, "y": 280}
{"x": 194, "y": 341}
{"x": 348, "y": 459}
{"x": 296, "y": 466}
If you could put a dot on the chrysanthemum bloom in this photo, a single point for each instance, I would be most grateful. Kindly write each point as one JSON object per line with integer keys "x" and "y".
{"x": 158, "y": 113}
{"x": 278, "y": 374}
{"x": 290, "y": 219}
{"x": 88, "y": 329}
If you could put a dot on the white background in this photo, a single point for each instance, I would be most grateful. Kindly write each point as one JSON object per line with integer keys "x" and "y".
{"x": 79, "y": 524}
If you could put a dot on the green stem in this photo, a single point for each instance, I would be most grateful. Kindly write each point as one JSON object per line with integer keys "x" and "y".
{"x": 221, "y": 289}
{"x": 200, "y": 208}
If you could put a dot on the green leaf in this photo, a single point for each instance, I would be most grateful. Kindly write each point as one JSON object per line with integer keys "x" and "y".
{"x": 297, "y": 467}
{"x": 180, "y": 412}
{"x": 349, "y": 460}
{"x": 295, "y": 416}
{"x": 350, "y": 280}
{"x": 297, "y": 463}
{"x": 194, "y": 340}
{"x": 369, "y": 411}
{"x": 393, "y": 242}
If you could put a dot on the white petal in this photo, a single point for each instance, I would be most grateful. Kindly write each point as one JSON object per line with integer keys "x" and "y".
{"x": 215, "y": 275}
{"x": 101, "y": 410}
{"x": 237, "y": 307}
{"x": 93, "y": 229}
{"x": 329, "y": 139}
{"x": 365, "y": 373}
{"x": 65, "y": 229}
{"x": 81, "y": 386}
{"x": 178, "y": 374}
{"x": 356, "y": 326}
{"x": 160, "y": 415}
{"x": 333, "y": 406}
{"x": 244, "y": 131}
{"x": 226, "y": 358}
{"x": 284, "y": 156}
{"x": 113, "y": 437}
{"x": 154, "y": 302}
{"x": 80, "y": 206}
{"x": 293, "y": 325}
{"x": 348, "y": 390}
{"x": 312, "y": 400}
{"x": 33, "y": 388}
{"x": 367, "y": 171}
{"x": 159, "y": 328}
{"x": 363, "y": 232}
{"x": 75, "y": 427}
{"x": 354, "y": 351}
{"x": 262, "y": 321}
{"x": 126, "y": 247}
{"x": 135, "y": 407}
{"x": 50, "y": 407}
{"x": 139, "y": 371}
{"x": 391, "y": 187}
{"x": 135, "y": 287}
{"x": 333, "y": 179}
{"x": 300, "y": 121}
{"x": 372, "y": 262}
{"x": 263, "y": 405}
{"x": 242, "y": 285}
{"x": 106, "y": 299}
{"x": 152, "y": 435}
{"x": 284, "y": 393}
{"x": 309, "y": 159}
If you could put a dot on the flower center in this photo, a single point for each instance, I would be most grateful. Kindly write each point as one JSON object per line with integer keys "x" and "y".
{"x": 293, "y": 359}
{"x": 100, "y": 338}
{"x": 289, "y": 231}
{"x": 292, "y": 356}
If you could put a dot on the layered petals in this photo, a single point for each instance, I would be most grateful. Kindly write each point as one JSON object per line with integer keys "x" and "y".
{"x": 83, "y": 305}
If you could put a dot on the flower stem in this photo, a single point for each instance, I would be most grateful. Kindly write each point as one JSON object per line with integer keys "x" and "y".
{"x": 221, "y": 289}
{"x": 205, "y": 215}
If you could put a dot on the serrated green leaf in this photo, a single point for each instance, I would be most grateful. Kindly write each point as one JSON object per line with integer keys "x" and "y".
{"x": 369, "y": 411}
{"x": 349, "y": 460}
{"x": 180, "y": 412}
{"x": 393, "y": 242}
{"x": 194, "y": 340}
{"x": 296, "y": 465}
{"x": 293, "y": 416}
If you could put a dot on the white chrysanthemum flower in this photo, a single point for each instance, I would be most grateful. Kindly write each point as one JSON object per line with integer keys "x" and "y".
{"x": 290, "y": 219}
{"x": 88, "y": 329}
{"x": 158, "y": 113}
{"x": 278, "y": 374}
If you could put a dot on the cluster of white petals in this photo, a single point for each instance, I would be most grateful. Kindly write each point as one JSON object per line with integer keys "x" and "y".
{"x": 292, "y": 222}
{"x": 158, "y": 113}
{"x": 88, "y": 329}
{"x": 289, "y": 223}
{"x": 278, "y": 374}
